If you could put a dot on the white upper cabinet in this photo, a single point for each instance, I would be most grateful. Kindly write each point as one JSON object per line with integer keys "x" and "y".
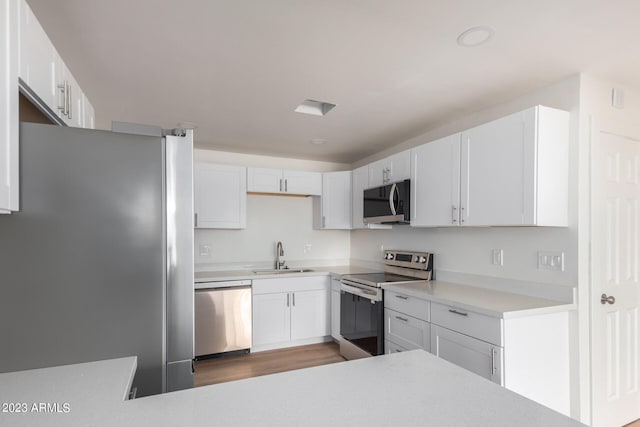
{"x": 278, "y": 181}
{"x": 435, "y": 183}
{"x": 336, "y": 200}
{"x": 263, "y": 180}
{"x": 220, "y": 196}
{"x": 9, "y": 55}
{"x": 359, "y": 181}
{"x": 88, "y": 114}
{"x": 37, "y": 58}
{"x": 514, "y": 170}
{"x": 49, "y": 83}
{"x": 69, "y": 98}
{"x": 394, "y": 168}
{"x": 510, "y": 172}
{"x": 307, "y": 183}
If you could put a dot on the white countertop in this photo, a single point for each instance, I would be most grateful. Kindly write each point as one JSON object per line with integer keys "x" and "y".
{"x": 481, "y": 300}
{"x": 202, "y": 277}
{"x": 485, "y": 301}
{"x": 72, "y": 394}
{"x": 404, "y": 389}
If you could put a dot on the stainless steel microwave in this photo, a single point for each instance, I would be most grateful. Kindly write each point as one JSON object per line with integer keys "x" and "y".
{"x": 388, "y": 204}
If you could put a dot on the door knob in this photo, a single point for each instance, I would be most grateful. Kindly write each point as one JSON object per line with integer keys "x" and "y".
{"x": 605, "y": 299}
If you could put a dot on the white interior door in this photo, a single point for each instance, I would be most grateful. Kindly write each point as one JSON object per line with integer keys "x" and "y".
{"x": 615, "y": 262}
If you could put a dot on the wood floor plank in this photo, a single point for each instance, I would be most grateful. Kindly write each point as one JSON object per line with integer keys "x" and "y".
{"x": 230, "y": 368}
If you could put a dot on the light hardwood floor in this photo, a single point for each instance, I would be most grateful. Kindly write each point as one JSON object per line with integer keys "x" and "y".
{"x": 230, "y": 368}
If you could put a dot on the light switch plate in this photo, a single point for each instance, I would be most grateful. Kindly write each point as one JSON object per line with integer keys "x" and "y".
{"x": 204, "y": 250}
{"x": 497, "y": 257}
{"x": 551, "y": 260}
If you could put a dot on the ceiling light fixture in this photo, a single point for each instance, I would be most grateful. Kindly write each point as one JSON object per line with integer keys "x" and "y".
{"x": 318, "y": 141}
{"x": 316, "y": 108}
{"x": 475, "y": 36}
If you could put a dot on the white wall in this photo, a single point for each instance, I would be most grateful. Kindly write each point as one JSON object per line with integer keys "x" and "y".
{"x": 271, "y": 219}
{"x": 242, "y": 159}
{"x": 468, "y": 250}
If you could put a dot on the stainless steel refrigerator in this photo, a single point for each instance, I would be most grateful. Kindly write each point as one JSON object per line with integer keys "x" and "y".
{"x": 98, "y": 262}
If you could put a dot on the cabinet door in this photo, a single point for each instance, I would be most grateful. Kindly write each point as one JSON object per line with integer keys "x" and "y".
{"x": 68, "y": 95}
{"x": 391, "y": 347}
{"x": 494, "y": 189}
{"x": 310, "y": 314}
{"x": 359, "y": 182}
{"x": 435, "y": 183}
{"x": 474, "y": 355}
{"x": 271, "y": 318}
{"x": 88, "y": 114}
{"x": 9, "y": 19}
{"x": 336, "y": 200}
{"x": 378, "y": 173}
{"x": 399, "y": 166}
{"x": 220, "y": 196}
{"x": 262, "y": 180}
{"x": 406, "y": 331}
{"x": 307, "y": 183}
{"x": 37, "y": 58}
{"x": 335, "y": 315}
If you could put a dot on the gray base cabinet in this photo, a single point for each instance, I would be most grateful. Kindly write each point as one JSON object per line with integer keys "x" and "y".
{"x": 472, "y": 354}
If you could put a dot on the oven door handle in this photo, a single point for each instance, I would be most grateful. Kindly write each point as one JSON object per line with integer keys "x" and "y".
{"x": 357, "y": 290}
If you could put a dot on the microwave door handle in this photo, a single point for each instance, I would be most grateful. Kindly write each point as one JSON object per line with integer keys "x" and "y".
{"x": 392, "y": 205}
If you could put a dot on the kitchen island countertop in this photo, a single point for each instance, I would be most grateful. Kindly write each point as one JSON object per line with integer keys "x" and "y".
{"x": 409, "y": 388}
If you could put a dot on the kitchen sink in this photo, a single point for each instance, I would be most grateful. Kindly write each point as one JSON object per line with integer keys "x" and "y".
{"x": 283, "y": 271}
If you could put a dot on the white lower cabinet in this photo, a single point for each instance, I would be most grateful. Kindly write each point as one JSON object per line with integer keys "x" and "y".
{"x": 310, "y": 314}
{"x": 527, "y": 354}
{"x": 290, "y": 311}
{"x": 335, "y": 309}
{"x": 406, "y": 331}
{"x": 271, "y": 318}
{"x": 391, "y": 347}
{"x": 406, "y": 322}
{"x": 472, "y": 354}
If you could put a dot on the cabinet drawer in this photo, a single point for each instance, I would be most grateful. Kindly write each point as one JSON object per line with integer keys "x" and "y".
{"x": 391, "y": 347}
{"x": 406, "y": 331}
{"x": 290, "y": 284}
{"x": 414, "y": 307}
{"x": 476, "y": 325}
{"x": 469, "y": 353}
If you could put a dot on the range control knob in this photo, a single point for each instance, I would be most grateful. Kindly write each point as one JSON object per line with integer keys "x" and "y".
{"x": 388, "y": 255}
{"x": 422, "y": 260}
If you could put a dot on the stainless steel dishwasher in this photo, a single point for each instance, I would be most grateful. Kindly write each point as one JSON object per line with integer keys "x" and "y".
{"x": 223, "y": 317}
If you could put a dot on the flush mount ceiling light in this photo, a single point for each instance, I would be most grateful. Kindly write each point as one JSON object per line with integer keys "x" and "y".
{"x": 318, "y": 141}
{"x": 316, "y": 108}
{"x": 475, "y": 36}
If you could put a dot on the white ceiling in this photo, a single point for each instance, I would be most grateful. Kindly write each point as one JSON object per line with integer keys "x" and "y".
{"x": 238, "y": 68}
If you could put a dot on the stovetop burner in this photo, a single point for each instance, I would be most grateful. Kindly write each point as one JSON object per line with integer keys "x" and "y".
{"x": 400, "y": 267}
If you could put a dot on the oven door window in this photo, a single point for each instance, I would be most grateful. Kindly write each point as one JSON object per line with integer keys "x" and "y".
{"x": 361, "y": 322}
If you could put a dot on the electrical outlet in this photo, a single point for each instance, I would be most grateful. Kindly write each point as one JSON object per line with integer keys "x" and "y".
{"x": 204, "y": 250}
{"x": 551, "y": 260}
{"x": 497, "y": 257}
{"x": 306, "y": 248}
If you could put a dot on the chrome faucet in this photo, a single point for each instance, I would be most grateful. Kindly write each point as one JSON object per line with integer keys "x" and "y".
{"x": 279, "y": 253}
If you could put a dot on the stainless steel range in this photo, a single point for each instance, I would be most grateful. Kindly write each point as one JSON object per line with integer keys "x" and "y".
{"x": 361, "y": 301}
